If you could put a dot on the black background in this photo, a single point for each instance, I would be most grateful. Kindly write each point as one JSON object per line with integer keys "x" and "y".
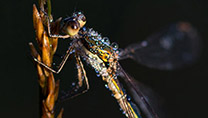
{"x": 124, "y": 22}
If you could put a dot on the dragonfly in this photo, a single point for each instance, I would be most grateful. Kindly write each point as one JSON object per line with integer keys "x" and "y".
{"x": 173, "y": 47}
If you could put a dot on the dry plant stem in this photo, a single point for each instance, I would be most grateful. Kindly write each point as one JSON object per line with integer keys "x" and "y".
{"x": 49, "y": 88}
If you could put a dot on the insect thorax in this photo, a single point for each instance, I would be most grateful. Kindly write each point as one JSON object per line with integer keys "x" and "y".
{"x": 98, "y": 51}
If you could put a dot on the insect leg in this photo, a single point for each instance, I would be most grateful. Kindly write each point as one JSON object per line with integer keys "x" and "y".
{"x": 68, "y": 52}
{"x": 81, "y": 75}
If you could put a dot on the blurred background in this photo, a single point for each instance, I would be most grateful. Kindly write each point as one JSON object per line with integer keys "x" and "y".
{"x": 181, "y": 91}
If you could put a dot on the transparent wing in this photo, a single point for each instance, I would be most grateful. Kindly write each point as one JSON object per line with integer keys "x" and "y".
{"x": 175, "y": 46}
{"x": 138, "y": 96}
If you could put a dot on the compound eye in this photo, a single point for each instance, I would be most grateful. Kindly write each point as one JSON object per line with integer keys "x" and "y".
{"x": 73, "y": 28}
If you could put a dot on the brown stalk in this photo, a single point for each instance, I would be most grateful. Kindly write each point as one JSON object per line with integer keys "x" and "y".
{"x": 48, "y": 86}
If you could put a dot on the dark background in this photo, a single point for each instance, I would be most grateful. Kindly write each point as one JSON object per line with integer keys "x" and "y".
{"x": 124, "y": 22}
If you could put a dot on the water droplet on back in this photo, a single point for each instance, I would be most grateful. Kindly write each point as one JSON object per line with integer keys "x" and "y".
{"x": 106, "y": 40}
{"x": 114, "y": 45}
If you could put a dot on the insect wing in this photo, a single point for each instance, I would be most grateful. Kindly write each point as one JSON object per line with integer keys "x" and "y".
{"x": 139, "y": 98}
{"x": 174, "y": 47}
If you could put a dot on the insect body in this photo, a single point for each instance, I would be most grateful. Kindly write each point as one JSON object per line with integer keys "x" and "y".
{"x": 97, "y": 52}
{"x": 103, "y": 57}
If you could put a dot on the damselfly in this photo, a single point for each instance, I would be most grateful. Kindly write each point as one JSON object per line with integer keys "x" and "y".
{"x": 174, "y": 47}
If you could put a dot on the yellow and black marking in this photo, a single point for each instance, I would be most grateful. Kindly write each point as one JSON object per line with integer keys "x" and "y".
{"x": 104, "y": 55}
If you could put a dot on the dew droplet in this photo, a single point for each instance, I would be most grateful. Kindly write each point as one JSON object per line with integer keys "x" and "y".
{"x": 99, "y": 37}
{"x": 97, "y": 43}
{"x": 73, "y": 84}
{"x": 98, "y": 75}
{"x": 128, "y": 98}
{"x": 114, "y": 45}
{"x": 94, "y": 58}
{"x": 96, "y": 71}
{"x": 84, "y": 28}
{"x": 144, "y": 43}
{"x": 95, "y": 51}
{"x": 106, "y": 86}
{"x": 106, "y": 40}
